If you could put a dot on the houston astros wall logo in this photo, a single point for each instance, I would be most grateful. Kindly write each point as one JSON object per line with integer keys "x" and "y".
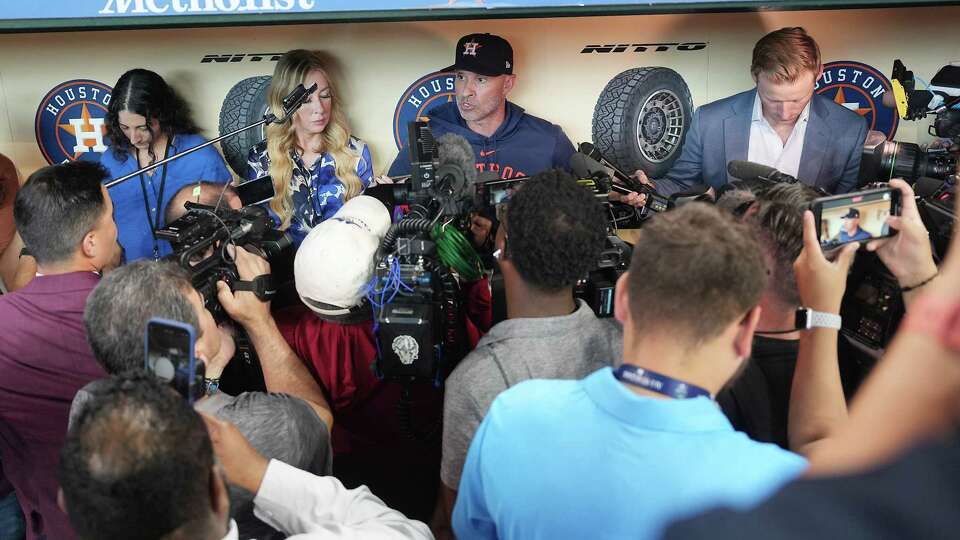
{"x": 70, "y": 123}
{"x": 425, "y": 94}
{"x": 860, "y": 88}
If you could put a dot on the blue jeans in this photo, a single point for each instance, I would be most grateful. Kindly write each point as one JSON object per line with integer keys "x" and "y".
{"x": 12, "y": 526}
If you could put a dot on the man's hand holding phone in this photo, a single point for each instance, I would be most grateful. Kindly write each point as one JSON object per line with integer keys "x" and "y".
{"x": 907, "y": 255}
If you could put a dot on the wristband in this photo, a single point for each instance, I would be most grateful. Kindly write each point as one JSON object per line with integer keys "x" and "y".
{"x": 921, "y": 284}
{"x": 807, "y": 318}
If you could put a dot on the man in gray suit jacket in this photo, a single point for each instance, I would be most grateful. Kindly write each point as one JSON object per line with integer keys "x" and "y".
{"x": 780, "y": 123}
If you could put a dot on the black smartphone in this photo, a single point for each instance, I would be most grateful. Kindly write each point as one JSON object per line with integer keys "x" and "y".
{"x": 168, "y": 352}
{"x": 256, "y": 191}
{"x": 855, "y": 217}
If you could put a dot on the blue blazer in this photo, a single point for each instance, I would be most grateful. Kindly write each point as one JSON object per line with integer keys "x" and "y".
{"x": 720, "y": 132}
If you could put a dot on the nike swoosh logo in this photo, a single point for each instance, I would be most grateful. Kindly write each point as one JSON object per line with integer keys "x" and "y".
{"x": 487, "y": 153}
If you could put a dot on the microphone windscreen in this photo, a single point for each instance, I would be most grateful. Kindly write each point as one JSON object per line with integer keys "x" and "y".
{"x": 453, "y": 149}
{"x": 748, "y": 170}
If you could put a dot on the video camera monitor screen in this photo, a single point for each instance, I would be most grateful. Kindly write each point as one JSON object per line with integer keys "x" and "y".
{"x": 855, "y": 217}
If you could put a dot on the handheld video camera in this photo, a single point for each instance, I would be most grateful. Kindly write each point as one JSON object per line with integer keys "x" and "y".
{"x": 200, "y": 238}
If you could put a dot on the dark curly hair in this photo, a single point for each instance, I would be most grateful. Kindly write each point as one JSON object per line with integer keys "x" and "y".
{"x": 555, "y": 231}
{"x": 136, "y": 463}
{"x": 143, "y": 92}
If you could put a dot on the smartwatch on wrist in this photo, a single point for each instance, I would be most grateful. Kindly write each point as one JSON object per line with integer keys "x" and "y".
{"x": 807, "y": 318}
{"x": 211, "y": 386}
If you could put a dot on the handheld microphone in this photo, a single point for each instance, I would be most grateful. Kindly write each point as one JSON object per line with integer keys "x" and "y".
{"x": 750, "y": 171}
{"x": 589, "y": 150}
{"x": 584, "y": 166}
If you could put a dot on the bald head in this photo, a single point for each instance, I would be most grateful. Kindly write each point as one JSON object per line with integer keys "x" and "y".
{"x": 203, "y": 193}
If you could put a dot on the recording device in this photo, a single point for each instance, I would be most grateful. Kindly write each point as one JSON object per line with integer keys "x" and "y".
{"x": 443, "y": 171}
{"x": 892, "y": 159}
{"x": 291, "y": 103}
{"x": 586, "y": 166}
{"x": 597, "y": 288}
{"x": 168, "y": 355}
{"x": 258, "y": 191}
{"x": 751, "y": 171}
{"x": 200, "y": 238}
{"x": 855, "y": 217}
{"x": 421, "y": 330}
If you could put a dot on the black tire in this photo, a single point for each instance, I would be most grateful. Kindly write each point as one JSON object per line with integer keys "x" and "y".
{"x": 641, "y": 119}
{"x": 244, "y": 105}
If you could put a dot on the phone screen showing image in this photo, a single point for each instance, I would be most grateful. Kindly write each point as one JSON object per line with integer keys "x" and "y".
{"x": 169, "y": 357}
{"x": 856, "y": 217}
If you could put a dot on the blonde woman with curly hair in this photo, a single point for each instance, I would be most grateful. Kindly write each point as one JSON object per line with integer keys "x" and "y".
{"x": 315, "y": 162}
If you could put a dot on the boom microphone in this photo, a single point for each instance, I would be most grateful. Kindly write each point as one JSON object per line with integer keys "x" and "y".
{"x": 295, "y": 99}
{"x": 750, "y": 171}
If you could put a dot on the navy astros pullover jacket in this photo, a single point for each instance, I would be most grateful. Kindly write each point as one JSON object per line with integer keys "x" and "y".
{"x": 522, "y": 146}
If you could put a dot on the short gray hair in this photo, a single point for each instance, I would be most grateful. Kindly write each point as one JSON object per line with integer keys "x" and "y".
{"x": 119, "y": 307}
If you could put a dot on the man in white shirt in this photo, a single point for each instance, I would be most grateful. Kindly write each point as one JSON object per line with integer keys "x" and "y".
{"x": 139, "y": 463}
{"x": 780, "y": 123}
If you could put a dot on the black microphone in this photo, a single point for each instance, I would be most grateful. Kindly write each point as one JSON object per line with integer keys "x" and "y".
{"x": 584, "y": 166}
{"x": 750, "y": 171}
{"x": 295, "y": 99}
{"x": 591, "y": 151}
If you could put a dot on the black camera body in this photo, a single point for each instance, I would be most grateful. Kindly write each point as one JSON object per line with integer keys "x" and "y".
{"x": 598, "y": 287}
{"x": 200, "y": 238}
{"x": 421, "y": 325}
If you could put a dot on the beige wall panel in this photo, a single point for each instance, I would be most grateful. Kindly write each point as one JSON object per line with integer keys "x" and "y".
{"x": 379, "y": 60}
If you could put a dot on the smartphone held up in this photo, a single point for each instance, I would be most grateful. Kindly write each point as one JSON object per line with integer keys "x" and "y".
{"x": 168, "y": 348}
{"x": 855, "y": 217}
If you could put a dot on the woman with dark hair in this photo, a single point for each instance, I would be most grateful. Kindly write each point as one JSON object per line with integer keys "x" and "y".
{"x": 147, "y": 121}
{"x": 315, "y": 161}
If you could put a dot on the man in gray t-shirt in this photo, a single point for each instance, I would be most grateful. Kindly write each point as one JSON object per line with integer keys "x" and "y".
{"x": 555, "y": 234}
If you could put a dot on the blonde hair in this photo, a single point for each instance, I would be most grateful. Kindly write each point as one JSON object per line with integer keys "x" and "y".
{"x": 292, "y": 69}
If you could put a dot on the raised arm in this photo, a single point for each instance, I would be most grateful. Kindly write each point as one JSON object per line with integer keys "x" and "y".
{"x": 283, "y": 371}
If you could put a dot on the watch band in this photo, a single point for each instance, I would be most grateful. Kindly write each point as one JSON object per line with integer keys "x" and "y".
{"x": 807, "y": 318}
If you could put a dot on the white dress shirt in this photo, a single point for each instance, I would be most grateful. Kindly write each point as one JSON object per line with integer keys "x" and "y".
{"x": 309, "y": 507}
{"x": 767, "y": 148}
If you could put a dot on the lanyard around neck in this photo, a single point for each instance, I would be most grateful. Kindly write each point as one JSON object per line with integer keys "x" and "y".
{"x": 153, "y": 221}
{"x": 656, "y": 382}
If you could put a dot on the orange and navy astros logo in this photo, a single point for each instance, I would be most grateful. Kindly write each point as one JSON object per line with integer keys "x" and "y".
{"x": 860, "y": 88}
{"x": 71, "y": 121}
{"x": 417, "y": 100}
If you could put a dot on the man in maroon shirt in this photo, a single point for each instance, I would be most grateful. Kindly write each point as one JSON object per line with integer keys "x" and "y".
{"x": 65, "y": 217}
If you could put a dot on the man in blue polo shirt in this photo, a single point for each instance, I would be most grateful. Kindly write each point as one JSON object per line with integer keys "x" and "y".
{"x": 625, "y": 451}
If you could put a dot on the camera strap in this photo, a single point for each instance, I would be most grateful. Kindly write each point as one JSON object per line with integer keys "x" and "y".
{"x": 656, "y": 382}
{"x": 153, "y": 221}
{"x": 262, "y": 286}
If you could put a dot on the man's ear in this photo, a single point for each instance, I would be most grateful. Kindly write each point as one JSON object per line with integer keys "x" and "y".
{"x": 90, "y": 244}
{"x": 743, "y": 342}
{"x": 508, "y": 83}
{"x": 621, "y": 300}
{"x": 61, "y": 500}
{"x": 219, "y": 496}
